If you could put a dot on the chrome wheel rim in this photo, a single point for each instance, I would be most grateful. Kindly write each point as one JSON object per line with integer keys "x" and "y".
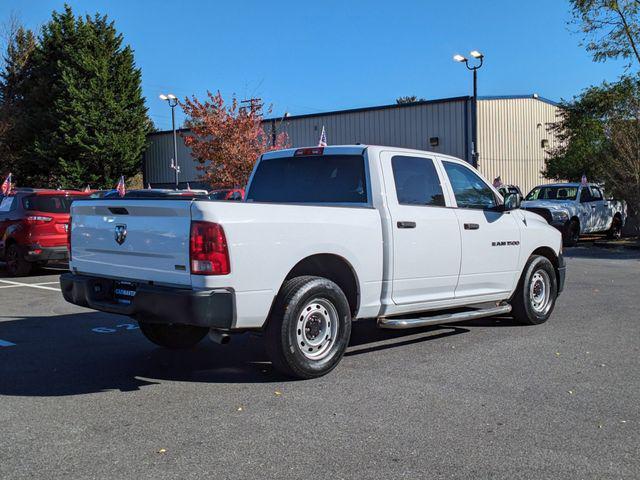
{"x": 540, "y": 292}
{"x": 317, "y": 328}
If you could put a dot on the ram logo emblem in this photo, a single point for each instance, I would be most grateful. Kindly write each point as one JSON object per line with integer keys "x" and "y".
{"x": 121, "y": 234}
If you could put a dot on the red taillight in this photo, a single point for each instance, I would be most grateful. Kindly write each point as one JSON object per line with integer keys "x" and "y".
{"x": 208, "y": 249}
{"x": 309, "y": 151}
{"x": 38, "y": 219}
{"x": 69, "y": 237}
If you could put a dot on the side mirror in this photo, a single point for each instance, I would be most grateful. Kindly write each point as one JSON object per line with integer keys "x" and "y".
{"x": 512, "y": 201}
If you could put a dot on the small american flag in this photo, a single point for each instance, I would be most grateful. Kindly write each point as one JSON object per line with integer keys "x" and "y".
{"x": 583, "y": 180}
{"x": 6, "y": 185}
{"x": 120, "y": 187}
{"x": 323, "y": 138}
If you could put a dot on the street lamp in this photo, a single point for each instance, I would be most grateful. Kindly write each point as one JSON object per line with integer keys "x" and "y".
{"x": 172, "y": 100}
{"x": 474, "y": 130}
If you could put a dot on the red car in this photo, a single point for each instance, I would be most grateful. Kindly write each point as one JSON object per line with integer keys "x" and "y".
{"x": 233, "y": 194}
{"x": 33, "y": 228}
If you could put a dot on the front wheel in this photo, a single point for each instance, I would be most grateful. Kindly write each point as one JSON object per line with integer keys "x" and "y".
{"x": 309, "y": 329}
{"x": 173, "y": 336}
{"x": 571, "y": 233}
{"x": 536, "y": 294}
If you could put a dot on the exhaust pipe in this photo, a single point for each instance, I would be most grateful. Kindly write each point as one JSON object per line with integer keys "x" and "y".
{"x": 219, "y": 337}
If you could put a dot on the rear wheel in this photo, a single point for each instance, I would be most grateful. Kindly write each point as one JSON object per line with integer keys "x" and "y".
{"x": 571, "y": 233}
{"x": 173, "y": 336}
{"x": 536, "y": 294}
{"x": 309, "y": 329}
{"x": 615, "y": 232}
{"x": 16, "y": 265}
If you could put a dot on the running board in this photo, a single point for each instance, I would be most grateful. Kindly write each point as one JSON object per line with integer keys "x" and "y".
{"x": 402, "y": 323}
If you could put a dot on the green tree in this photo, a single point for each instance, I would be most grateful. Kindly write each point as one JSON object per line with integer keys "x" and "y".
{"x": 599, "y": 135}
{"x": 611, "y": 28}
{"x": 16, "y": 62}
{"x": 408, "y": 99}
{"x": 85, "y": 117}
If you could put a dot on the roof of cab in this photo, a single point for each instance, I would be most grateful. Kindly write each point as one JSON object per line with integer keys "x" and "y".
{"x": 357, "y": 149}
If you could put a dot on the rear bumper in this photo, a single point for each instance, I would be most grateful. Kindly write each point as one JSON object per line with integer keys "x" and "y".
{"x": 35, "y": 253}
{"x": 154, "y": 304}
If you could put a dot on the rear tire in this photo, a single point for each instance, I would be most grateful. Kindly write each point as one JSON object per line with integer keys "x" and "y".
{"x": 309, "y": 328}
{"x": 571, "y": 233}
{"x": 615, "y": 232}
{"x": 535, "y": 297}
{"x": 173, "y": 336}
{"x": 16, "y": 266}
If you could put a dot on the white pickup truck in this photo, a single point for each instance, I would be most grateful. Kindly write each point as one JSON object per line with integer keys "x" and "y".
{"x": 574, "y": 209}
{"x": 325, "y": 236}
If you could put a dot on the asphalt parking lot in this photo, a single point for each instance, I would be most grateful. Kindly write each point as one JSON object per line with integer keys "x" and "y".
{"x": 84, "y": 395}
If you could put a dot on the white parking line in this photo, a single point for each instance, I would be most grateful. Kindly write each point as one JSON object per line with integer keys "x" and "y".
{"x": 19, "y": 284}
{"x": 4, "y": 343}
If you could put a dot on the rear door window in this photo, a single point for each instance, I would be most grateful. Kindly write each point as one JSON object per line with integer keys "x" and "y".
{"x": 310, "y": 179}
{"x": 417, "y": 181}
{"x": 585, "y": 195}
{"x": 47, "y": 203}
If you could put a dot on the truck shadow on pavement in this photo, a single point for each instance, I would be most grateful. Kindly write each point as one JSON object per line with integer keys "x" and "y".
{"x": 93, "y": 352}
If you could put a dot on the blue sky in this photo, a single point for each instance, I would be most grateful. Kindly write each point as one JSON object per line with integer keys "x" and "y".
{"x": 306, "y": 57}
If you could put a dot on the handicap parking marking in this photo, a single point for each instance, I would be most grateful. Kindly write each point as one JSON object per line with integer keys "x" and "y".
{"x": 5, "y": 343}
{"x": 31, "y": 285}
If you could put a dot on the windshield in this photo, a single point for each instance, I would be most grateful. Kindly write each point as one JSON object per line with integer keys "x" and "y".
{"x": 48, "y": 203}
{"x": 310, "y": 179}
{"x": 553, "y": 193}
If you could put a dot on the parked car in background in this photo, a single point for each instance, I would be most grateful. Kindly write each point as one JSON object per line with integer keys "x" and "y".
{"x": 156, "y": 193}
{"x": 508, "y": 189}
{"x": 234, "y": 194}
{"x": 33, "y": 228}
{"x": 325, "y": 236}
{"x": 575, "y": 209}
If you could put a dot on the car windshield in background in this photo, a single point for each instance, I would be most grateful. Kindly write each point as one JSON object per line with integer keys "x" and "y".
{"x": 310, "y": 179}
{"x": 219, "y": 195}
{"x": 155, "y": 194}
{"x": 47, "y": 203}
{"x": 553, "y": 193}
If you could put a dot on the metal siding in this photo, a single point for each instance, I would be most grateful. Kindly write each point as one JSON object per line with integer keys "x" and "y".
{"x": 509, "y": 141}
{"x": 408, "y": 126}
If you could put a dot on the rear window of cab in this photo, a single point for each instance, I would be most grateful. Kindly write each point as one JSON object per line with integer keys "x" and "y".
{"x": 47, "y": 203}
{"x": 310, "y": 179}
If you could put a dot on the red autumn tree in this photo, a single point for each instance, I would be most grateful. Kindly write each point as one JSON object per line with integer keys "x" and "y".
{"x": 226, "y": 140}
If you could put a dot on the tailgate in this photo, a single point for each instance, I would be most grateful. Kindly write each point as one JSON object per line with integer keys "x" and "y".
{"x": 132, "y": 239}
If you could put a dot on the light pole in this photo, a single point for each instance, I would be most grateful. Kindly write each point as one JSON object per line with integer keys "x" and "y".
{"x": 474, "y": 127}
{"x": 172, "y": 100}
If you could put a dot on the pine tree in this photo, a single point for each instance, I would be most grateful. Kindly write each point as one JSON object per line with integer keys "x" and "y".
{"x": 84, "y": 106}
{"x": 16, "y": 70}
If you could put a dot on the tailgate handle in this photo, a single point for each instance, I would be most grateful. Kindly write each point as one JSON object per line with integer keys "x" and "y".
{"x": 471, "y": 226}
{"x": 118, "y": 210}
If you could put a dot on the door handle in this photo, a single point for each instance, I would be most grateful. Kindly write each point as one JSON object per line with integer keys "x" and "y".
{"x": 471, "y": 226}
{"x": 406, "y": 224}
